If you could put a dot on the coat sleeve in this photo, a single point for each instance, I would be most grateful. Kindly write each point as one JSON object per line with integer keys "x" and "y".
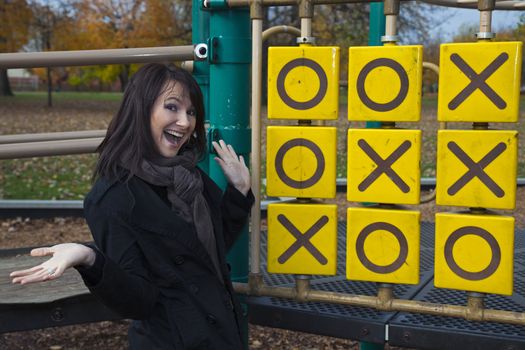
{"x": 123, "y": 282}
{"x": 235, "y": 209}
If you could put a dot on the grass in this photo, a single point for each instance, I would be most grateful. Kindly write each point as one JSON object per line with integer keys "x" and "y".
{"x": 69, "y": 177}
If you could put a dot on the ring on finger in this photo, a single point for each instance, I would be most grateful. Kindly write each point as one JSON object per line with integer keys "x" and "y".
{"x": 51, "y": 271}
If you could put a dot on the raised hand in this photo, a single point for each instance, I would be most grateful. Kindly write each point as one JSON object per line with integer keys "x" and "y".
{"x": 232, "y": 166}
{"x": 64, "y": 256}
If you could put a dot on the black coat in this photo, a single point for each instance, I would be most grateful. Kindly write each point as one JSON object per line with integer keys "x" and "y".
{"x": 155, "y": 271}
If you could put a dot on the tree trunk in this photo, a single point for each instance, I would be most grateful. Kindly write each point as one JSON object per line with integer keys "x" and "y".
{"x": 5, "y": 87}
{"x": 124, "y": 77}
{"x": 49, "y": 88}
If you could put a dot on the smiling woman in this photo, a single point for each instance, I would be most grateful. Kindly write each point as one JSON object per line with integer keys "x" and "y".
{"x": 161, "y": 226}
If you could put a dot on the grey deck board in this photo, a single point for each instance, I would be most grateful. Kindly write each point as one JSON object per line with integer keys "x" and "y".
{"x": 68, "y": 285}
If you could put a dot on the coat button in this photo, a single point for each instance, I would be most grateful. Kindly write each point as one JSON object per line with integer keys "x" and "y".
{"x": 211, "y": 319}
{"x": 179, "y": 260}
{"x": 194, "y": 289}
{"x": 229, "y": 304}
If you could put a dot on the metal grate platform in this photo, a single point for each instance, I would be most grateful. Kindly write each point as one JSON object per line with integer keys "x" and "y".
{"x": 408, "y": 330}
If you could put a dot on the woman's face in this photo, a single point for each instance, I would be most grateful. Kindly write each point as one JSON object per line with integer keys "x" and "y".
{"x": 172, "y": 120}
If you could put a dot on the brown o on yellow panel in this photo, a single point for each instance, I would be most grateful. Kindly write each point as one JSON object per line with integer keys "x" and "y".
{"x": 382, "y": 67}
{"x": 294, "y": 149}
{"x": 314, "y": 84}
{"x": 377, "y": 263}
{"x": 476, "y": 273}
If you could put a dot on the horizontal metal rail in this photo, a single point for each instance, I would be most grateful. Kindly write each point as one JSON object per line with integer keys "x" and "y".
{"x": 509, "y": 5}
{"x": 384, "y": 301}
{"x": 49, "y": 148}
{"x": 51, "y": 136}
{"x": 96, "y": 57}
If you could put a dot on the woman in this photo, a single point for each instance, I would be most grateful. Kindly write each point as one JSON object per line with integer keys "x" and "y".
{"x": 161, "y": 226}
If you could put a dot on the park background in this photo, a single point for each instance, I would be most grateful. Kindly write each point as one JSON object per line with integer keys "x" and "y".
{"x": 85, "y": 98}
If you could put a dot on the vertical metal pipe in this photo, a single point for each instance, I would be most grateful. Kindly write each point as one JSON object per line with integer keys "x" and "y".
{"x": 255, "y": 243}
{"x": 485, "y": 21}
{"x": 306, "y": 27}
{"x": 229, "y": 103}
{"x": 201, "y": 70}
{"x": 390, "y": 25}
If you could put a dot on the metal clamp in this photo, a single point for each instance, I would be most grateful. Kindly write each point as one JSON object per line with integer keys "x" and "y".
{"x": 389, "y": 38}
{"x": 485, "y": 35}
{"x": 201, "y": 51}
{"x": 305, "y": 40}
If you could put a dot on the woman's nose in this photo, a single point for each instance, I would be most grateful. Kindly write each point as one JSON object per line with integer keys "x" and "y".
{"x": 183, "y": 120}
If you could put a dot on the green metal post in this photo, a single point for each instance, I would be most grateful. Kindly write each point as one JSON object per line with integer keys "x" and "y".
{"x": 376, "y": 30}
{"x": 201, "y": 69}
{"x": 229, "y": 53}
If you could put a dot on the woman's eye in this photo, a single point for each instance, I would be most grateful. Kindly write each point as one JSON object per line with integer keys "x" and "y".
{"x": 171, "y": 107}
{"x": 191, "y": 113}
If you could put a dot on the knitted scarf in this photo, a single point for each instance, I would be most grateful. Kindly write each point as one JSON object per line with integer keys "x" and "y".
{"x": 185, "y": 193}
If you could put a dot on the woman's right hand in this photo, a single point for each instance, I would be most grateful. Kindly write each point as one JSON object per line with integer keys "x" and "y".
{"x": 64, "y": 256}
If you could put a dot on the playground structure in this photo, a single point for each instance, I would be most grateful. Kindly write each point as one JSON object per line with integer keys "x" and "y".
{"x": 217, "y": 57}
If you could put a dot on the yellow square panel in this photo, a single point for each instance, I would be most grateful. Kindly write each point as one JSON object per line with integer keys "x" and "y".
{"x": 384, "y": 83}
{"x": 477, "y": 168}
{"x": 383, "y": 166}
{"x": 382, "y": 245}
{"x": 479, "y": 82}
{"x": 301, "y": 161}
{"x": 303, "y": 82}
{"x": 302, "y": 239}
{"x": 474, "y": 253}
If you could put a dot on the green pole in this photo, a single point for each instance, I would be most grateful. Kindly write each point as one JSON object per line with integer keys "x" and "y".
{"x": 229, "y": 52}
{"x": 201, "y": 69}
{"x": 376, "y": 30}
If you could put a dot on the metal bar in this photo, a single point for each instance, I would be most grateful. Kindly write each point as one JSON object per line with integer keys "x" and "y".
{"x": 255, "y": 242}
{"x": 500, "y": 5}
{"x": 399, "y": 305}
{"x": 96, "y": 57}
{"x": 49, "y": 148}
{"x": 51, "y": 136}
{"x": 244, "y": 3}
{"x": 280, "y": 29}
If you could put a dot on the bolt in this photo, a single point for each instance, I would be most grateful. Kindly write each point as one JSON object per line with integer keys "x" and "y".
{"x": 57, "y": 315}
{"x": 364, "y": 331}
{"x": 406, "y": 336}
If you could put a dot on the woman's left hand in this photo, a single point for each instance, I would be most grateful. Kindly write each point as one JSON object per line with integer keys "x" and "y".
{"x": 233, "y": 166}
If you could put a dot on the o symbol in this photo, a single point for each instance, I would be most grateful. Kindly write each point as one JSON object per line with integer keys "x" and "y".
{"x": 403, "y": 89}
{"x": 360, "y": 247}
{"x": 323, "y": 83}
{"x": 279, "y": 160}
{"x": 476, "y": 231}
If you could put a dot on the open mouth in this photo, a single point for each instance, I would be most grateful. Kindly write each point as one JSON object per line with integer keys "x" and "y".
{"x": 173, "y": 137}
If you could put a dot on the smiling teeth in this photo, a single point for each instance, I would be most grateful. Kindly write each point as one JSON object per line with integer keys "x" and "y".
{"x": 174, "y": 133}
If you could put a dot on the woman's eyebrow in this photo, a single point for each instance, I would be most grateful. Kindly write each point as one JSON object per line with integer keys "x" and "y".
{"x": 173, "y": 97}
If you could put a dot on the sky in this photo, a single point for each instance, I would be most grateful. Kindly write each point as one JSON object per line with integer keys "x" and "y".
{"x": 453, "y": 18}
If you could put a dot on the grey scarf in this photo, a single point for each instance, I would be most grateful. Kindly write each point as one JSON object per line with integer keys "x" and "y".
{"x": 185, "y": 193}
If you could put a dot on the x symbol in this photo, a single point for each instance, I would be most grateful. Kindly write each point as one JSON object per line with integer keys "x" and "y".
{"x": 384, "y": 165}
{"x": 478, "y": 81}
{"x": 303, "y": 240}
{"x": 476, "y": 169}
